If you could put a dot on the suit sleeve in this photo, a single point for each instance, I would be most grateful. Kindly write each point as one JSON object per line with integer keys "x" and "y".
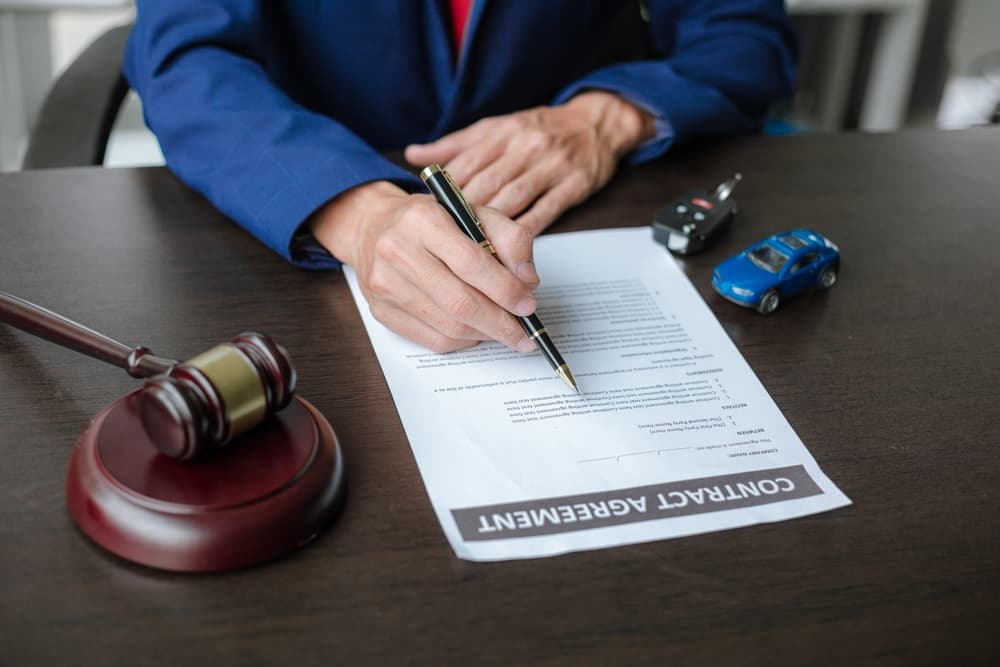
{"x": 723, "y": 64}
{"x": 228, "y": 131}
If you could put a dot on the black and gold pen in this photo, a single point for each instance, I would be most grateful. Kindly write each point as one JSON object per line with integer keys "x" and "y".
{"x": 450, "y": 197}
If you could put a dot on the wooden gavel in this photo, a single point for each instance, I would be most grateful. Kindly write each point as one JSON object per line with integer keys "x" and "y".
{"x": 185, "y": 408}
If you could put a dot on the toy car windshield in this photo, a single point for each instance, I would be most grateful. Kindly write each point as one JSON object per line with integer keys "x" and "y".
{"x": 768, "y": 258}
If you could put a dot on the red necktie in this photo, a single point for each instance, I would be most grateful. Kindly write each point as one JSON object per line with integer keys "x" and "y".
{"x": 459, "y": 18}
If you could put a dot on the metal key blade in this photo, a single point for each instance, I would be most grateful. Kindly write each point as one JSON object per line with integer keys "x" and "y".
{"x": 726, "y": 188}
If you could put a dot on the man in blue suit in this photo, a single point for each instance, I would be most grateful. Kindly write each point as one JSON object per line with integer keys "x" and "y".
{"x": 278, "y": 111}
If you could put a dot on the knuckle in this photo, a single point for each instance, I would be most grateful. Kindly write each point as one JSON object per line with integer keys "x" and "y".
{"x": 421, "y": 210}
{"x": 387, "y": 248}
{"x": 510, "y": 124}
{"x": 550, "y": 207}
{"x": 507, "y": 290}
{"x": 484, "y": 123}
{"x": 489, "y": 183}
{"x": 519, "y": 191}
{"x": 577, "y": 180}
{"x": 562, "y": 161}
{"x": 520, "y": 236}
{"x": 462, "y": 305}
{"x": 410, "y": 214}
{"x": 510, "y": 333}
{"x": 468, "y": 259}
{"x": 378, "y": 311}
{"x": 455, "y": 330}
{"x": 513, "y": 240}
{"x": 534, "y": 140}
{"x": 440, "y": 344}
{"x": 523, "y": 141}
{"x": 378, "y": 285}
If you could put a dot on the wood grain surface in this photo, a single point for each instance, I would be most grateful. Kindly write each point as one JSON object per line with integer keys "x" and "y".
{"x": 890, "y": 379}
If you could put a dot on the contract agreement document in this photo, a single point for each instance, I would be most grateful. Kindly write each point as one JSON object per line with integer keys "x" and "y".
{"x": 672, "y": 433}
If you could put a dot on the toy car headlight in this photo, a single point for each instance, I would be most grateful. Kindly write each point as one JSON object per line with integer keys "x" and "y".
{"x": 742, "y": 291}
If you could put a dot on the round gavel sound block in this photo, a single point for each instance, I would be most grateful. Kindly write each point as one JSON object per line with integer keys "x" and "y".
{"x": 267, "y": 492}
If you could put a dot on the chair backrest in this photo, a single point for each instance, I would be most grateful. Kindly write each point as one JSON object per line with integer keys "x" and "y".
{"x": 76, "y": 117}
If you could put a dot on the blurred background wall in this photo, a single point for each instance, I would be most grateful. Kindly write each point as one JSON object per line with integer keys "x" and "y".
{"x": 870, "y": 65}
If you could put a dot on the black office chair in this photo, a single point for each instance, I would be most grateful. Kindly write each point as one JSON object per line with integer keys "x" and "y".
{"x": 76, "y": 117}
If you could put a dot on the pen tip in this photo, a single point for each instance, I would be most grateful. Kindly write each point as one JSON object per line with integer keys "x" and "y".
{"x": 567, "y": 377}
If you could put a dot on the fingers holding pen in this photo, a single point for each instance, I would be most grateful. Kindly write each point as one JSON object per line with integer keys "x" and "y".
{"x": 422, "y": 276}
{"x": 427, "y": 281}
{"x": 470, "y": 287}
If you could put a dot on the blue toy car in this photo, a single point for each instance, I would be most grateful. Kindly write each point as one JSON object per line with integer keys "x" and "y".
{"x": 777, "y": 268}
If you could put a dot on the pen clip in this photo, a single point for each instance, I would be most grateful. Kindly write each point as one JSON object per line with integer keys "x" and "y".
{"x": 461, "y": 199}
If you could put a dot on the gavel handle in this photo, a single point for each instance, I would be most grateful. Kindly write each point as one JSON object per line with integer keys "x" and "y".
{"x": 139, "y": 362}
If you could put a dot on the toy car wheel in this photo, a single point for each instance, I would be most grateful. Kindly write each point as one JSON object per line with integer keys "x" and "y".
{"x": 768, "y": 303}
{"x": 828, "y": 278}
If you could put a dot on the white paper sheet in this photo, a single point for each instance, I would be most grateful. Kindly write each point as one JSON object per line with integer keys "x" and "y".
{"x": 673, "y": 433}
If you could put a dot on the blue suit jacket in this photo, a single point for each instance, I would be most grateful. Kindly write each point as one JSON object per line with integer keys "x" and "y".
{"x": 271, "y": 108}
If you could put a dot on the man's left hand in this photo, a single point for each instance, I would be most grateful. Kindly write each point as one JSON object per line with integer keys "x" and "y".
{"x": 533, "y": 165}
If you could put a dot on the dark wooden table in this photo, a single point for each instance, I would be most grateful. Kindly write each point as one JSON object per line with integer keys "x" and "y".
{"x": 891, "y": 380}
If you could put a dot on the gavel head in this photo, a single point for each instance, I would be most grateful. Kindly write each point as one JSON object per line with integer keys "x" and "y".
{"x": 207, "y": 401}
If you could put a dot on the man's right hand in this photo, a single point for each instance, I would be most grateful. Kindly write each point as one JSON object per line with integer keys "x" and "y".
{"x": 422, "y": 276}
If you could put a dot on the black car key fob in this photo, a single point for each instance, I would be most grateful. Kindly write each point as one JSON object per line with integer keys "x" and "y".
{"x": 691, "y": 223}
